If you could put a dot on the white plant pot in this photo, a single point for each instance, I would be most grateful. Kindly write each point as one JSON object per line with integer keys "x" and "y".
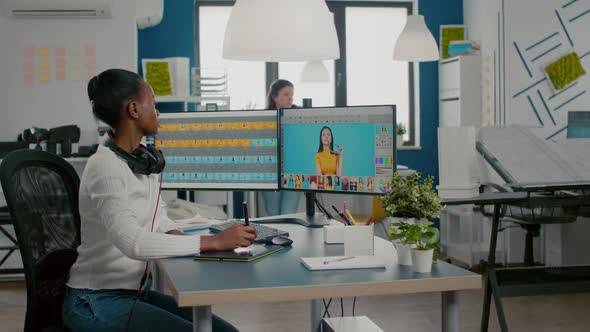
{"x": 399, "y": 140}
{"x": 404, "y": 256}
{"x": 422, "y": 260}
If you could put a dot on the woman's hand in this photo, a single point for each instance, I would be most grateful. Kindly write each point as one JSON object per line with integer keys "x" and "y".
{"x": 340, "y": 150}
{"x": 235, "y": 236}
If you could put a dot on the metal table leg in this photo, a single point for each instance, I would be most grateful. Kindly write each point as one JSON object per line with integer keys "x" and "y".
{"x": 491, "y": 284}
{"x": 202, "y": 319}
{"x": 316, "y": 315}
{"x": 487, "y": 300}
{"x": 498, "y": 301}
{"x": 450, "y": 311}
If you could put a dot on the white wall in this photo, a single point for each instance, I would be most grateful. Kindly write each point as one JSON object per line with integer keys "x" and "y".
{"x": 54, "y": 103}
{"x": 500, "y": 24}
{"x": 497, "y": 25}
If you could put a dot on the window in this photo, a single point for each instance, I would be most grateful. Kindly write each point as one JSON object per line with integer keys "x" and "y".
{"x": 372, "y": 77}
{"x": 365, "y": 74}
{"x": 246, "y": 80}
{"x": 322, "y": 94}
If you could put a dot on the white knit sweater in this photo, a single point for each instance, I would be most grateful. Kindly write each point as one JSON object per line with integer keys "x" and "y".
{"x": 116, "y": 211}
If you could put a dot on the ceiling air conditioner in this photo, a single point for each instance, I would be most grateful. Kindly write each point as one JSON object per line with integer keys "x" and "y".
{"x": 149, "y": 13}
{"x": 57, "y": 8}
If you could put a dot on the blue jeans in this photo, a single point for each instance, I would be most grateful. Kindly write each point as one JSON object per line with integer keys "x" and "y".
{"x": 107, "y": 310}
{"x": 280, "y": 202}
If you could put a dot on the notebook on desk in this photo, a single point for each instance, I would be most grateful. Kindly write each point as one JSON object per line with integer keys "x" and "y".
{"x": 247, "y": 254}
{"x": 342, "y": 262}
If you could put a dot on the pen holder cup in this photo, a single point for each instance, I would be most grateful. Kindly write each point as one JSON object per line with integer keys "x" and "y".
{"x": 359, "y": 240}
{"x": 334, "y": 234}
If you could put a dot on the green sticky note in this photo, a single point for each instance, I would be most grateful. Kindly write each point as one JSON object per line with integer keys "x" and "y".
{"x": 565, "y": 70}
{"x": 158, "y": 76}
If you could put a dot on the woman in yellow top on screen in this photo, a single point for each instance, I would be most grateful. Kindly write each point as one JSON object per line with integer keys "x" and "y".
{"x": 327, "y": 160}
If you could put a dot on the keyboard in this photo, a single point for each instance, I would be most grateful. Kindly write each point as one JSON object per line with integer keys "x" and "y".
{"x": 262, "y": 232}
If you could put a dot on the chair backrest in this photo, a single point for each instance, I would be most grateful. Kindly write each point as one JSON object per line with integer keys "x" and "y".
{"x": 41, "y": 192}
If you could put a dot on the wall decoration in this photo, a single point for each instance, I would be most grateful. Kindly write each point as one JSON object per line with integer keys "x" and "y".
{"x": 157, "y": 74}
{"x": 449, "y": 33}
{"x": 543, "y": 53}
{"x": 47, "y": 63}
{"x": 565, "y": 70}
{"x": 578, "y": 125}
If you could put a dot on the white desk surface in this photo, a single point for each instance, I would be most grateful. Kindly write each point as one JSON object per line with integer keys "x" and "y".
{"x": 281, "y": 277}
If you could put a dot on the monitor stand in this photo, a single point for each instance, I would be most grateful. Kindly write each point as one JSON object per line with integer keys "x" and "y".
{"x": 308, "y": 219}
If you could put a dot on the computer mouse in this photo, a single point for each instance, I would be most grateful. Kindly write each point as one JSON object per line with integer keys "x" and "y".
{"x": 279, "y": 241}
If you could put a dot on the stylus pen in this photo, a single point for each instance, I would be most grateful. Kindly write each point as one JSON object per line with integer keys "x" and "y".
{"x": 245, "y": 209}
{"x": 338, "y": 260}
{"x": 342, "y": 215}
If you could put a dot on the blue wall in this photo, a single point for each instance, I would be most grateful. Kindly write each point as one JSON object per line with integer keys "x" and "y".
{"x": 175, "y": 36}
{"x": 436, "y": 13}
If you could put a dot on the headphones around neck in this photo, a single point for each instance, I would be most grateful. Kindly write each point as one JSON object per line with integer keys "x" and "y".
{"x": 144, "y": 160}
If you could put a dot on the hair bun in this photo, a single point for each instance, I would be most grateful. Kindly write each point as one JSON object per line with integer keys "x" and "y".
{"x": 93, "y": 88}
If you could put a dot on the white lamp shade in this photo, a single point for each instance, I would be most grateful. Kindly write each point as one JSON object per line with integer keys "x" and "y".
{"x": 415, "y": 43}
{"x": 315, "y": 72}
{"x": 280, "y": 30}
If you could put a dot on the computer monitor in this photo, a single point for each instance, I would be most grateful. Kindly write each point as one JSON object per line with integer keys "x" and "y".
{"x": 338, "y": 149}
{"x": 221, "y": 150}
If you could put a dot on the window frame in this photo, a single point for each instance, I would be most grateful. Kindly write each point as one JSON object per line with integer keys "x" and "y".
{"x": 338, "y": 8}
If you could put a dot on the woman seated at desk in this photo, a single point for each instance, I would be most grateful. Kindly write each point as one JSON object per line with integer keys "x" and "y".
{"x": 124, "y": 222}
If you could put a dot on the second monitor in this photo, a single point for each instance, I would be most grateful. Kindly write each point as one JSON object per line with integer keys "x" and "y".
{"x": 225, "y": 150}
{"x": 338, "y": 149}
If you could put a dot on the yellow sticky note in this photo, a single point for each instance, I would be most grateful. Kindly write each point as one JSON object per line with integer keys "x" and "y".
{"x": 44, "y": 63}
{"x": 44, "y": 76}
{"x": 44, "y": 50}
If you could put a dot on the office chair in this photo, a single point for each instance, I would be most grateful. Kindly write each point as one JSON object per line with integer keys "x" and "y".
{"x": 41, "y": 192}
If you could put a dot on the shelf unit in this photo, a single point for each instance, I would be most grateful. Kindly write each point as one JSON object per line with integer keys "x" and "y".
{"x": 460, "y": 91}
{"x": 222, "y": 101}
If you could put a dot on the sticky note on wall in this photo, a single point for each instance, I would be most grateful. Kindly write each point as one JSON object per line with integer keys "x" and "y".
{"x": 44, "y": 50}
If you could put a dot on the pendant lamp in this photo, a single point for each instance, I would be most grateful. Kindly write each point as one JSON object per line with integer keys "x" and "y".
{"x": 315, "y": 72}
{"x": 416, "y": 42}
{"x": 280, "y": 30}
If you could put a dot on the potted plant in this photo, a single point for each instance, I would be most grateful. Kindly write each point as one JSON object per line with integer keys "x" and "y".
{"x": 425, "y": 238}
{"x": 411, "y": 201}
{"x": 400, "y": 131}
{"x": 398, "y": 234}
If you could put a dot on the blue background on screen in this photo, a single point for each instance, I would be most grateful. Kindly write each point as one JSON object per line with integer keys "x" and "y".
{"x": 301, "y": 141}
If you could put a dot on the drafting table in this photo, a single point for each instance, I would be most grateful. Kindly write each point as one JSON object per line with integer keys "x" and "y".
{"x": 545, "y": 181}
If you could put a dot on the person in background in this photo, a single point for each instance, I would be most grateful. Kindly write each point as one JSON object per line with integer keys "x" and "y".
{"x": 280, "y": 95}
{"x": 124, "y": 223}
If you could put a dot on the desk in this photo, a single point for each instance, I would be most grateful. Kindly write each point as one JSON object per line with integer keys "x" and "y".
{"x": 281, "y": 277}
